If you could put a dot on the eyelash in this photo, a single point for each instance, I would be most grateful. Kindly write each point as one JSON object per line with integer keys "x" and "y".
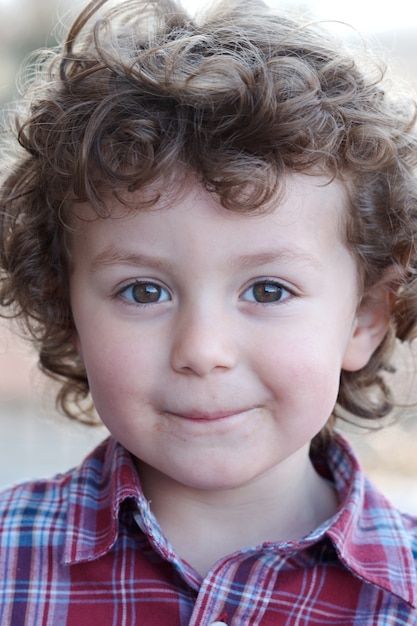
{"x": 270, "y": 288}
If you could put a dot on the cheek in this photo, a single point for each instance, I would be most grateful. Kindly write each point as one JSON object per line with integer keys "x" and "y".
{"x": 304, "y": 374}
{"x": 120, "y": 372}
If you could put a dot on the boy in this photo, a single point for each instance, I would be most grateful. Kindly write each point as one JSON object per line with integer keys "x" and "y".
{"x": 210, "y": 229}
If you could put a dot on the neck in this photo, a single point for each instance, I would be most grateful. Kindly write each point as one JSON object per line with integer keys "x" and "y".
{"x": 280, "y": 505}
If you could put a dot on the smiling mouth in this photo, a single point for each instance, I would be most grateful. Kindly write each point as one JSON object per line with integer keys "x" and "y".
{"x": 203, "y": 416}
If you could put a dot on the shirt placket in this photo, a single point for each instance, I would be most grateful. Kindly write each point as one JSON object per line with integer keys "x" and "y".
{"x": 236, "y": 592}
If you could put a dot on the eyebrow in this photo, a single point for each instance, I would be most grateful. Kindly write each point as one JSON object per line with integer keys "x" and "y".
{"x": 291, "y": 255}
{"x": 115, "y": 256}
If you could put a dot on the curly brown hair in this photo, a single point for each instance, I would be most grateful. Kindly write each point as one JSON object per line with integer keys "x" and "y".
{"x": 239, "y": 97}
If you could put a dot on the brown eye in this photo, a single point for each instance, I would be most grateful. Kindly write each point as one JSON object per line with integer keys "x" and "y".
{"x": 266, "y": 292}
{"x": 145, "y": 293}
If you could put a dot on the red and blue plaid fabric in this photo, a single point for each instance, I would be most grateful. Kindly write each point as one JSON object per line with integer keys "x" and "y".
{"x": 84, "y": 549}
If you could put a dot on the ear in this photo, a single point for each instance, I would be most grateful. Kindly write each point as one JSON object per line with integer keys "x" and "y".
{"x": 370, "y": 326}
{"x": 78, "y": 347}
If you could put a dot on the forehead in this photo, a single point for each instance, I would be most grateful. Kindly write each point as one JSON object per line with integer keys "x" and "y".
{"x": 306, "y": 225}
{"x": 303, "y": 188}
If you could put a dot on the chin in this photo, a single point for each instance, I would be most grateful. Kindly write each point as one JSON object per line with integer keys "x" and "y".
{"x": 218, "y": 480}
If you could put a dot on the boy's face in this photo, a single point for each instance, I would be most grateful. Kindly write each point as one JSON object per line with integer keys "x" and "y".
{"x": 213, "y": 341}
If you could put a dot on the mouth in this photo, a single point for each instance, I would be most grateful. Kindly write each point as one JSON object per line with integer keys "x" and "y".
{"x": 205, "y": 416}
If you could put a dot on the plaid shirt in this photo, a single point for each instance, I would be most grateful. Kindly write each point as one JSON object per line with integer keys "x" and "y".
{"x": 84, "y": 549}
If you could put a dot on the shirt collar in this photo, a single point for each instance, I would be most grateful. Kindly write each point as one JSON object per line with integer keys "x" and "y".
{"x": 97, "y": 490}
{"x": 367, "y": 533}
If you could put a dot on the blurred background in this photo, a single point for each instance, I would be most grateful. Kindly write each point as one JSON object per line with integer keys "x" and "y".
{"x": 35, "y": 440}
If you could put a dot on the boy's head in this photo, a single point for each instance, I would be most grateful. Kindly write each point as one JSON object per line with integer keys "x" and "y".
{"x": 210, "y": 337}
{"x": 143, "y": 98}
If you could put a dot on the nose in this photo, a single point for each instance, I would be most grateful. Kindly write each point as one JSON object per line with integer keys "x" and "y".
{"x": 203, "y": 343}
